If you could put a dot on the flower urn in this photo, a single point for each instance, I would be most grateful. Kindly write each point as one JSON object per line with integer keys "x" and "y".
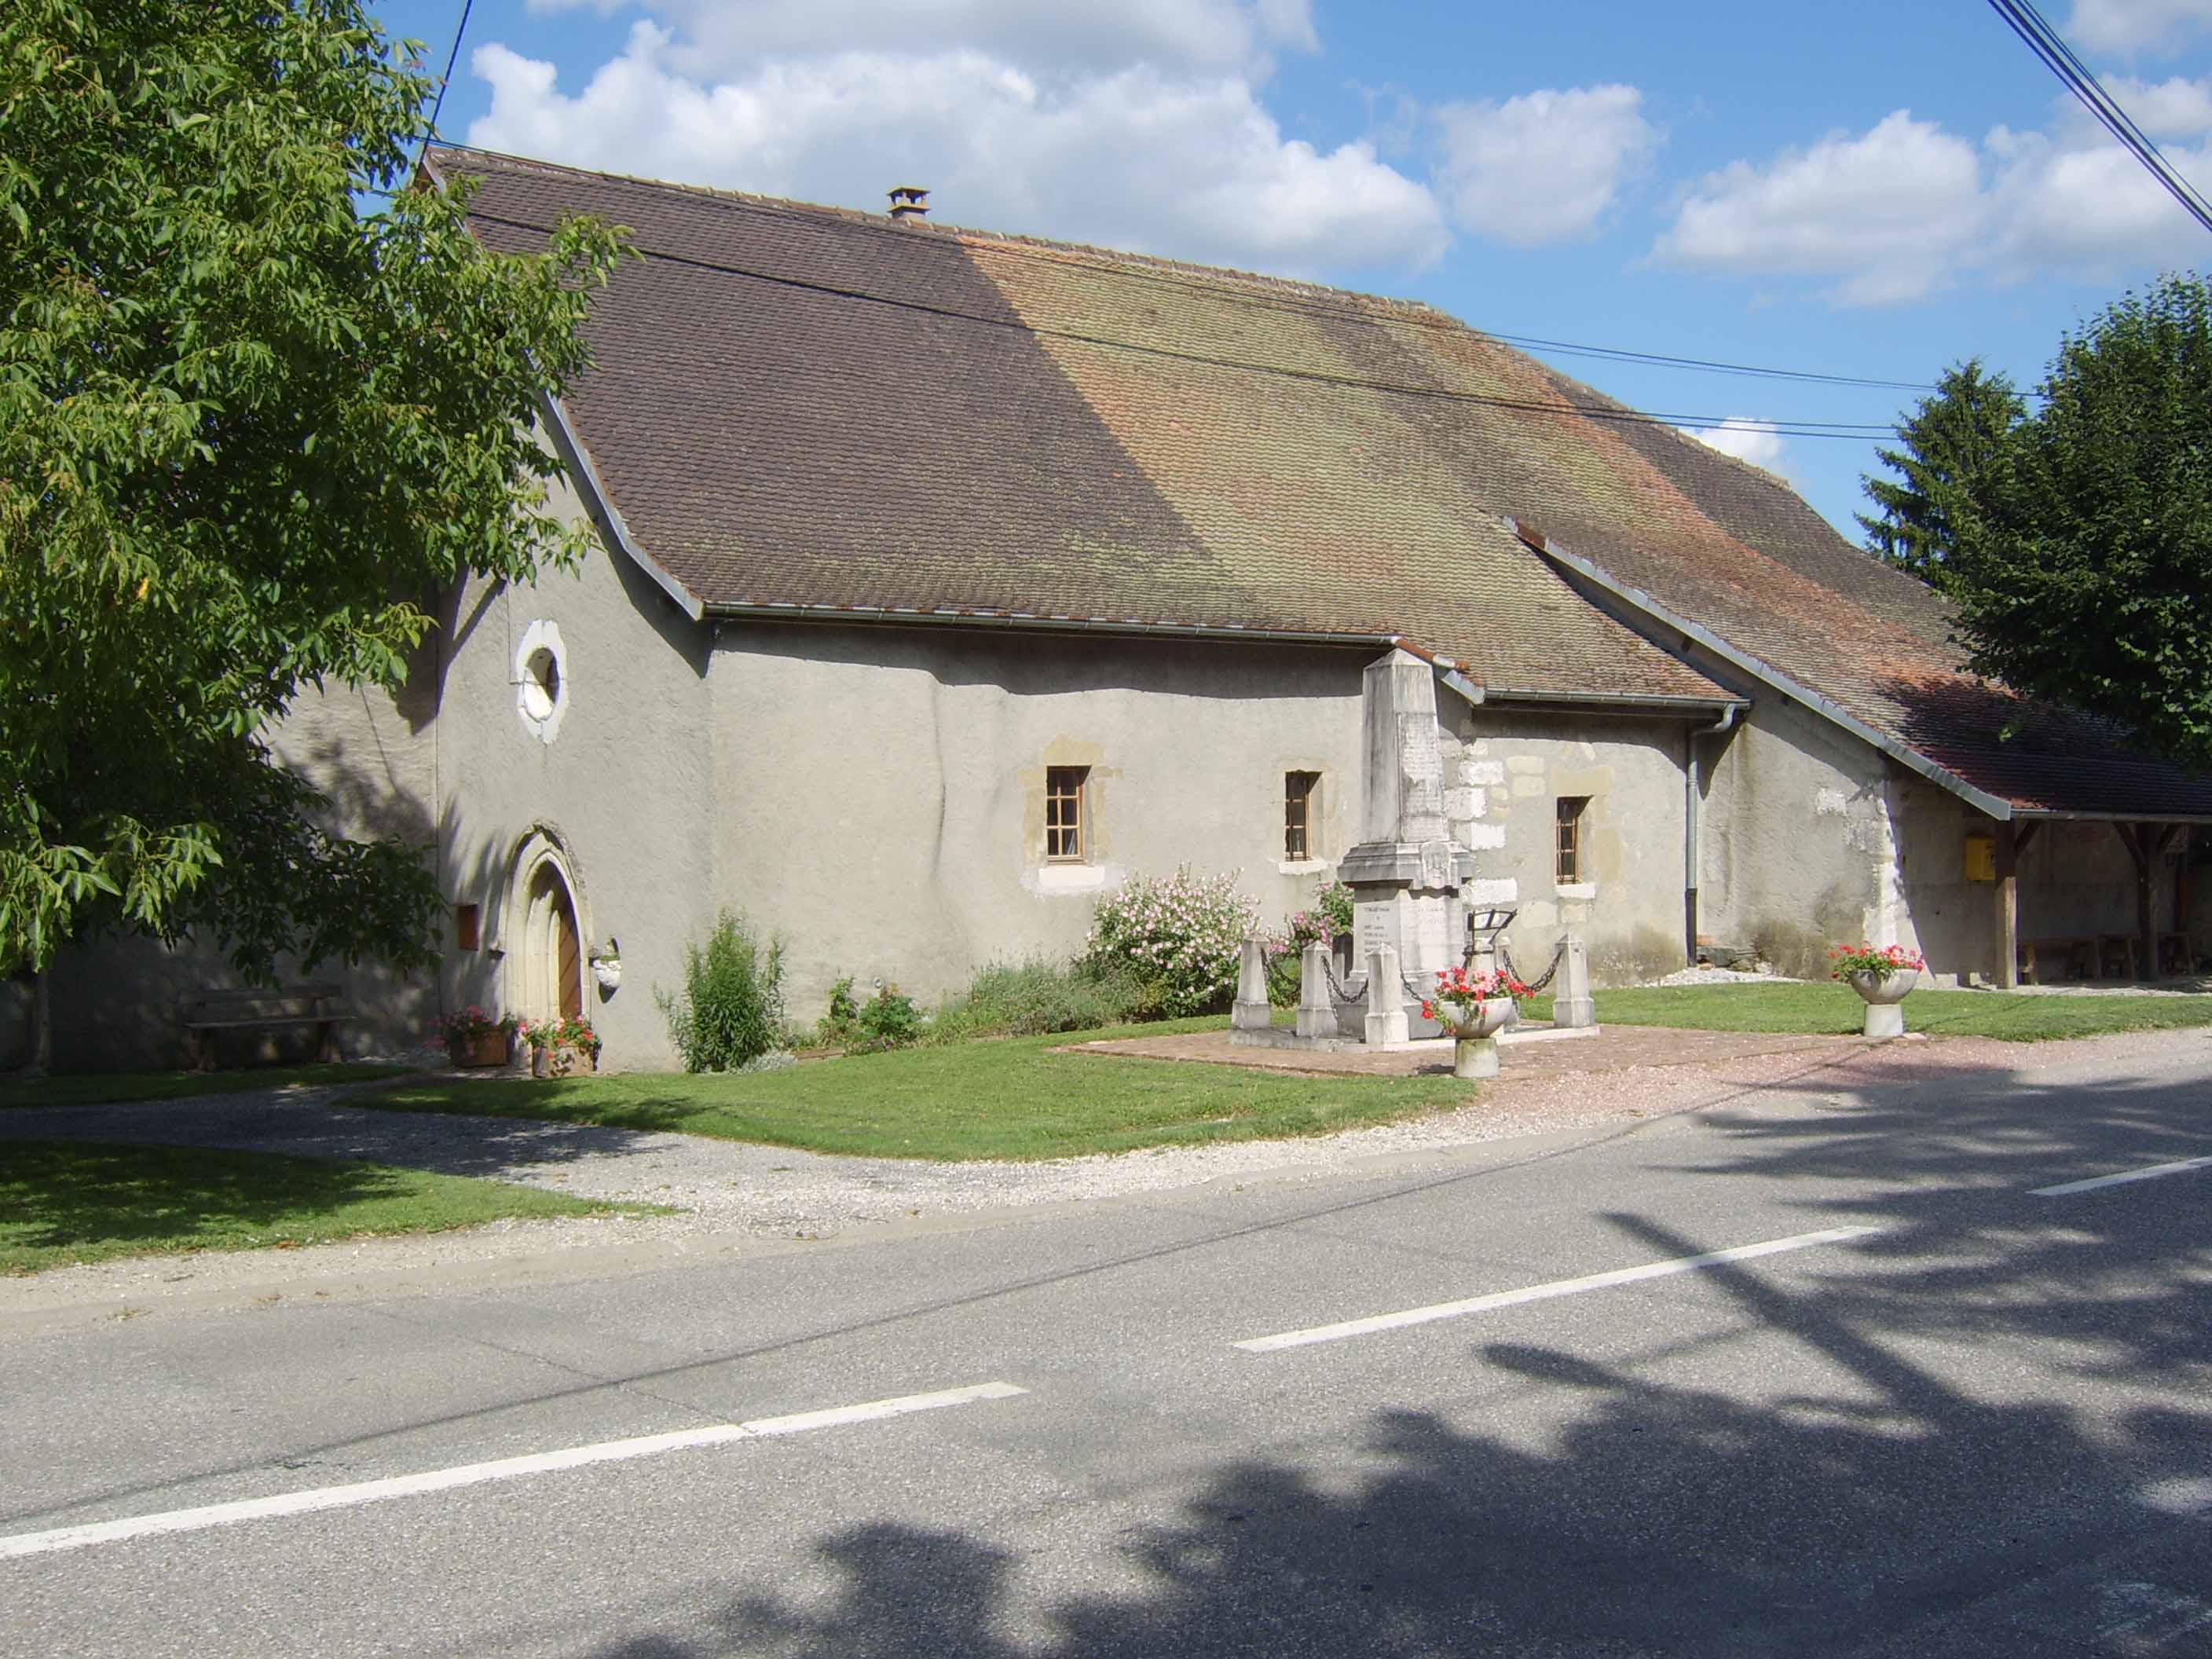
{"x": 1474, "y": 1038}
{"x": 1884, "y": 995}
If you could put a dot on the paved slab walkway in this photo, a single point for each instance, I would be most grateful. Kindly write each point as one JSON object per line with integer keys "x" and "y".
{"x": 1615, "y": 1049}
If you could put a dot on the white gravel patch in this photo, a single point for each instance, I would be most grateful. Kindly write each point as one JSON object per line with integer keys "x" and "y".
{"x": 1718, "y": 976}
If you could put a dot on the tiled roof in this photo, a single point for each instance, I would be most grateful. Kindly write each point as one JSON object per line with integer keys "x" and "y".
{"x": 796, "y": 405}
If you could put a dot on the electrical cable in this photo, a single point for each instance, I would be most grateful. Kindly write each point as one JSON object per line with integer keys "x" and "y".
{"x": 1853, "y": 431}
{"x": 438, "y": 104}
{"x": 2045, "y": 42}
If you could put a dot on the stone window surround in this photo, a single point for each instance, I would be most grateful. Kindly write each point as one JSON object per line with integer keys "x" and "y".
{"x": 542, "y": 680}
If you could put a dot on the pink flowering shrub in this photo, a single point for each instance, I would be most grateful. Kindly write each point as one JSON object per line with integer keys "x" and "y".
{"x": 1177, "y": 936}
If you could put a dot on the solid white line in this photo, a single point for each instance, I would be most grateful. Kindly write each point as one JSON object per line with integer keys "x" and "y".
{"x": 470, "y": 1474}
{"x": 2126, "y": 1176}
{"x": 1475, "y": 1304}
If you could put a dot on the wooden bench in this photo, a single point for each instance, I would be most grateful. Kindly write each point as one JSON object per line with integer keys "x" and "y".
{"x": 303, "y": 1006}
{"x": 2099, "y": 956}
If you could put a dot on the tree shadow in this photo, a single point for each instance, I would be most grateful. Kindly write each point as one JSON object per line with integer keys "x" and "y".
{"x": 1985, "y": 1429}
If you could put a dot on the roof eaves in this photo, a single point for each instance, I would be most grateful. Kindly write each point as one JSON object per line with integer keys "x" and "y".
{"x": 1904, "y": 754}
{"x": 1630, "y": 702}
{"x": 601, "y": 506}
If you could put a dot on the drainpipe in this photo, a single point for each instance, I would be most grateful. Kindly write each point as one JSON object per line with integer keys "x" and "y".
{"x": 1693, "y": 846}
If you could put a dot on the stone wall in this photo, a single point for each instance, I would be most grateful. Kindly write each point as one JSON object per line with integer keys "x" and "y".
{"x": 1505, "y": 773}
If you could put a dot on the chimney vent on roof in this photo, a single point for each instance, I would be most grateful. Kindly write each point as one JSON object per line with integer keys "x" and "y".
{"x": 908, "y": 202}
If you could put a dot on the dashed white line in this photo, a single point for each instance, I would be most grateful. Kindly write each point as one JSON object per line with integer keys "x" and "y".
{"x": 470, "y": 1474}
{"x": 2152, "y": 1173}
{"x": 1475, "y": 1304}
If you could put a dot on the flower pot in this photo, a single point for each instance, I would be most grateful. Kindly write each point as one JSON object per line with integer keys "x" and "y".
{"x": 490, "y": 1048}
{"x": 569, "y": 1059}
{"x": 1882, "y": 994}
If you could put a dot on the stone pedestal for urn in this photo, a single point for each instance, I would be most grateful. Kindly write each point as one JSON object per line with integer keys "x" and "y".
{"x": 1884, "y": 996}
{"x": 1405, "y": 874}
{"x": 1474, "y": 1038}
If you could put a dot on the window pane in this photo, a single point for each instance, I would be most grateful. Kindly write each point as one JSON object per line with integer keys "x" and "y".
{"x": 1569, "y": 863}
{"x": 1063, "y": 811}
{"x": 1297, "y": 813}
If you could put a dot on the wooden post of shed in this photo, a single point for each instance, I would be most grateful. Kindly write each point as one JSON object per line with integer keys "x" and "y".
{"x": 2142, "y": 848}
{"x": 2007, "y": 860}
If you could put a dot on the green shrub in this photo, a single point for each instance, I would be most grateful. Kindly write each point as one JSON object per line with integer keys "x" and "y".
{"x": 1034, "y": 998}
{"x": 835, "y": 1028}
{"x": 730, "y": 1008}
{"x": 889, "y": 1019}
{"x": 1177, "y": 936}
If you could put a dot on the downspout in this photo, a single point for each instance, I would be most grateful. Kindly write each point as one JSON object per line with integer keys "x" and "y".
{"x": 1692, "y": 844}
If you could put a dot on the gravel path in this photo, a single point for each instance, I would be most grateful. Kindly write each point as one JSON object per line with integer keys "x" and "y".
{"x": 731, "y": 1193}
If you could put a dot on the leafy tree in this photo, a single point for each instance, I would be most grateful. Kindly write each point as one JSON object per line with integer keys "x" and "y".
{"x": 1955, "y": 435}
{"x": 2084, "y": 555}
{"x": 247, "y": 421}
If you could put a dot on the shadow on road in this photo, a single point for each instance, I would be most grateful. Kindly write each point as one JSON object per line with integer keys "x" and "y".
{"x": 1990, "y": 1433}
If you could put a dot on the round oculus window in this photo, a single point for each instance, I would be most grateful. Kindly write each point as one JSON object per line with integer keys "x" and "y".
{"x": 541, "y": 680}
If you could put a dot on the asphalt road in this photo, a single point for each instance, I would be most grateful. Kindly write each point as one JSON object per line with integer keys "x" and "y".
{"x": 1981, "y": 1427}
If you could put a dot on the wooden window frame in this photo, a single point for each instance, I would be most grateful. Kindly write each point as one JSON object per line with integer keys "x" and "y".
{"x": 1299, "y": 791}
{"x": 1066, "y": 814}
{"x": 1569, "y": 812}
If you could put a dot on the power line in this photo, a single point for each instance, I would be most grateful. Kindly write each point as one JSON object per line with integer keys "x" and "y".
{"x": 439, "y": 103}
{"x": 2048, "y": 44}
{"x": 1854, "y": 431}
{"x": 1166, "y": 273}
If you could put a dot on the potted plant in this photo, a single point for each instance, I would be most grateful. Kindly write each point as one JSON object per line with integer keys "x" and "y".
{"x": 1474, "y": 1008}
{"x": 473, "y": 1037}
{"x": 1882, "y": 976}
{"x": 561, "y": 1047}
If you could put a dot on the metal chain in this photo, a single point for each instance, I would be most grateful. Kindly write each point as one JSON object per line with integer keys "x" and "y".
{"x": 1505, "y": 961}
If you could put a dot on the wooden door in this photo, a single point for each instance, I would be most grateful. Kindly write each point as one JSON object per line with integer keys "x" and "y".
{"x": 569, "y": 959}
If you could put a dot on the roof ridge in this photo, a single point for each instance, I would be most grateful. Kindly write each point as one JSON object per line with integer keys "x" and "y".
{"x": 1226, "y": 275}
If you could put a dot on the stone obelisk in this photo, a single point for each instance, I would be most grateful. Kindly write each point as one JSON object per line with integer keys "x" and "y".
{"x": 1405, "y": 874}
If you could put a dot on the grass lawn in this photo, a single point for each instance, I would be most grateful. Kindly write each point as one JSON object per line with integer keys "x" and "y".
{"x": 1829, "y": 1008}
{"x": 1012, "y": 1098}
{"x": 63, "y": 1201}
{"x": 101, "y": 1088}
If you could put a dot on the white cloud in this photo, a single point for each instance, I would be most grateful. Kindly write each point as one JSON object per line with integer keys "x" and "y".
{"x": 1907, "y": 208}
{"x": 2122, "y": 26}
{"x": 1188, "y": 164}
{"x": 2178, "y": 108}
{"x": 712, "y": 36}
{"x": 1756, "y": 441}
{"x": 1542, "y": 168}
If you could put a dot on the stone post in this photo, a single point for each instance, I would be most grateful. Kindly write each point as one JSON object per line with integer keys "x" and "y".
{"x": 1386, "y": 1001}
{"x": 1317, "y": 1008}
{"x": 1571, "y": 1003}
{"x": 1252, "y": 1011}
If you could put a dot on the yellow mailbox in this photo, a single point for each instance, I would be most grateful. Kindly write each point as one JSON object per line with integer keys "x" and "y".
{"x": 1981, "y": 858}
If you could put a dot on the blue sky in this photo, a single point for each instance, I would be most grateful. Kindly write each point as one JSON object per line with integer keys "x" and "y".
{"x": 1875, "y": 190}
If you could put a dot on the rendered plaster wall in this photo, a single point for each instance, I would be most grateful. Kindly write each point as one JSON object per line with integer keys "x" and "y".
{"x": 116, "y": 1001}
{"x": 1798, "y": 846}
{"x": 624, "y": 789}
{"x": 1505, "y": 773}
{"x": 882, "y": 789}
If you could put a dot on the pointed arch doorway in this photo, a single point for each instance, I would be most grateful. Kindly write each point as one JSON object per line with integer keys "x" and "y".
{"x": 548, "y": 965}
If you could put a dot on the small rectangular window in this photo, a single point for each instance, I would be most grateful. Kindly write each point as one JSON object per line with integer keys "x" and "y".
{"x": 468, "y": 932}
{"x": 1297, "y": 813}
{"x": 1065, "y": 828}
{"x": 1569, "y": 867}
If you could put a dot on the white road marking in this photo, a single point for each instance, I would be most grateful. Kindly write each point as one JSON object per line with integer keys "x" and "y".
{"x": 2126, "y": 1176}
{"x": 1476, "y": 1305}
{"x": 470, "y": 1474}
